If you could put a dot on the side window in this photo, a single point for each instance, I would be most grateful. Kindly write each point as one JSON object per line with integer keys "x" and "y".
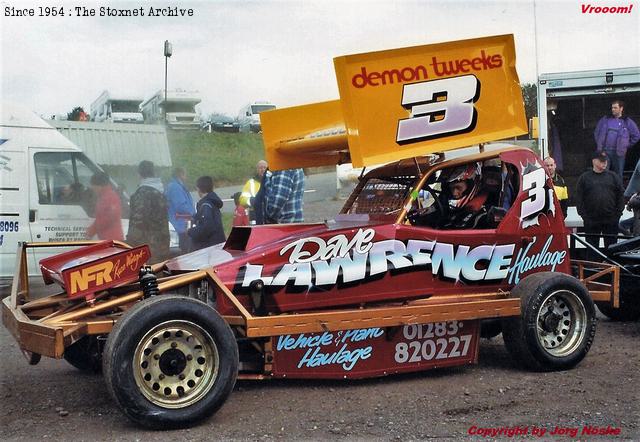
{"x": 54, "y": 175}
{"x": 63, "y": 178}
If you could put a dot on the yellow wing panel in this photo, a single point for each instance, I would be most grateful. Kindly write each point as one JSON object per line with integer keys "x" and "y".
{"x": 412, "y": 101}
{"x": 305, "y": 136}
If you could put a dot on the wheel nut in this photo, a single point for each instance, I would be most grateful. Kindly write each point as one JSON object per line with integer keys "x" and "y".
{"x": 181, "y": 377}
{"x": 174, "y": 344}
{"x": 161, "y": 376}
{"x": 189, "y": 357}
{"x": 156, "y": 356}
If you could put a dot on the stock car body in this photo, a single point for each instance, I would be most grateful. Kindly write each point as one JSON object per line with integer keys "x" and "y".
{"x": 378, "y": 290}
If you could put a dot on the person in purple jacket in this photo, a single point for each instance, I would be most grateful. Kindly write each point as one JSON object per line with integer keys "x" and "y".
{"x": 615, "y": 134}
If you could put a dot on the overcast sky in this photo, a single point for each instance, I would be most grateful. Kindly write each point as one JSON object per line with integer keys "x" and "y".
{"x": 234, "y": 52}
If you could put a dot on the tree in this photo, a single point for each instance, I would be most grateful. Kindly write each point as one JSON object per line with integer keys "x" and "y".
{"x": 530, "y": 97}
{"x": 77, "y": 114}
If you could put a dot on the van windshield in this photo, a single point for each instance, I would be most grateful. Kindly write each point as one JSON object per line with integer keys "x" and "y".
{"x": 180, "y": 107}
{"x": 125, "y": 106}
{"x": 257, "y": 108}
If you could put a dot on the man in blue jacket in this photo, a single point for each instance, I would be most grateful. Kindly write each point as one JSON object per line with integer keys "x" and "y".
{"x": 181, "y": 208}
{"x": 614, "y": 135}
{"x": 207, "y": 229}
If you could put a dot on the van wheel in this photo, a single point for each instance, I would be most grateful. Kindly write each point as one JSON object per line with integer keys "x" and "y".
{"x": 557, "y": 322}
{"x": 170, "y": 361}
{"x": 85, "y": 354}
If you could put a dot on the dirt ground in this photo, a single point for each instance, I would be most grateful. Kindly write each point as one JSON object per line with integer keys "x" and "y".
{"x": 54, "y": 401}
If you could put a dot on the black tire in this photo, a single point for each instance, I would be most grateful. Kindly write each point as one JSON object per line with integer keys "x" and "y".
{"x": 170, "y": 362}
{"x": 626, "y": 312}
{"x": 629, "y": 301}
{"x": 85, "y": 354}
{"x": 557, "y": 323}
{"x": 490, "y": 328}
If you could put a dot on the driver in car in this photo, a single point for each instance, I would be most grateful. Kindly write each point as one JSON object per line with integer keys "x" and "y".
{"x": 466, "y": 200}
{"x": 461, "y": 205}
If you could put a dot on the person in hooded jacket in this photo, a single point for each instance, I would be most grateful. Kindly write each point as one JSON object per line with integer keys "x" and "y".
{"x": 148, "y": 220}
{"x": 207, "y": 227}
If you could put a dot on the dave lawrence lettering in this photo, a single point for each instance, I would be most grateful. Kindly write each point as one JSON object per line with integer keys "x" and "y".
{"x": 354, "y": 260}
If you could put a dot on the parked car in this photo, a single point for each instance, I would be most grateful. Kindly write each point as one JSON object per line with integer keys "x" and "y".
{"x": 224, "y": 123}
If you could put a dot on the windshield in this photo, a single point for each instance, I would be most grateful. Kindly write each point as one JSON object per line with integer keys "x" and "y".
{"x": 257, "y": 108}
{"x": 125, "y": 106}
{"x": 181, "y": 107}
{"x": 380, "y": 196}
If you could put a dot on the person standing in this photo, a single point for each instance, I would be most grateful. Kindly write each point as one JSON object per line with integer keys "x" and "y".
{"x": 181, "y": 208}
{"x": 207, "y": 229}
{"x": 148, "y": 220}
{"x": 559, "y": 185}
{"x": 251, "y": 189}
{"x": 240, "y": 216}
{"x": 108, "y": 212}
{"x": 600, "y": 201}
{"x": 283, "y": 197}
{"x": 615, "y": 134}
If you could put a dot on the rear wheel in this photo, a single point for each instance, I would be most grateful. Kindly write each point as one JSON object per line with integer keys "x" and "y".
{"x": 170, "y": 361}
{"x": 557, "y": 323}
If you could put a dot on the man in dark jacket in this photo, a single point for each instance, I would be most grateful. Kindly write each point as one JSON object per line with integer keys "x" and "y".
{"x": 600, "y": 201}
{"x": 207, "y": 229}
{"x": 148, "y": 222}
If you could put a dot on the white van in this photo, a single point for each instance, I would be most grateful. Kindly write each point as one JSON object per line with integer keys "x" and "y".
{"x": 45, "y": 195}
{"x": 249, "y": 116}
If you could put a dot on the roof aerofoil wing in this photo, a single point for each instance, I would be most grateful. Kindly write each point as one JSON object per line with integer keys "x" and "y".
{"x": 403, "y": 103}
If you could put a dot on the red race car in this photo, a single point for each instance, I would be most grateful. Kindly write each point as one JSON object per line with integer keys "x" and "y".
{"x": 426, "y": 248}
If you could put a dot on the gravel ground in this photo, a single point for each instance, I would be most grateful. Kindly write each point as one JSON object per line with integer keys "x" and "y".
{"x": 54, "y": 401}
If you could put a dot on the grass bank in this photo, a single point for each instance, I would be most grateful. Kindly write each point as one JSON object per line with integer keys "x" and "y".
{"x": 230, "y": 158}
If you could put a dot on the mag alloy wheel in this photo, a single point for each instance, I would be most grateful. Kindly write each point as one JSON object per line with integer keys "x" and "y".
{"x": 176, "y": 364}
{"x": 561, "y": 323}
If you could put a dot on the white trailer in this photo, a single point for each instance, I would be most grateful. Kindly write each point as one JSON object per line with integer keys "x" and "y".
{"x": 116, "y": 109}
{"x": 569, "y": 107}
{"x": 178, "y": 111}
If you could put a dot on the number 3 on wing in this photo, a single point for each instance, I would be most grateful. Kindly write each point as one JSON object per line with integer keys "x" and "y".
{"x": 438, "y": 108}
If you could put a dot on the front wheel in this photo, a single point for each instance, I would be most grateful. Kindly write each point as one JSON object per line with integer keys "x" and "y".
{"x": 557, "y": 323}
{"x": 170, "y": 362}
